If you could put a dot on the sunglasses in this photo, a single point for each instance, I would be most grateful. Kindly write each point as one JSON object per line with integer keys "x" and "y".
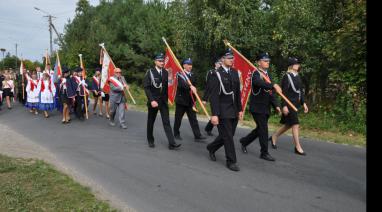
{"x": 118, "y": 72}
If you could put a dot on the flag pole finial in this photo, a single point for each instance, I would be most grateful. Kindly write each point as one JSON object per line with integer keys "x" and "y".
{"x": 226, "y": 42}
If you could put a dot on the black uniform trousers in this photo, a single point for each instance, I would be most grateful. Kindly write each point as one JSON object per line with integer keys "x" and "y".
{"x": 78, "y": 109}
{"x": 152, "y": 114}
{"x": 226, "y": 128}
{"x": 191, "y": 114}
{"x": 260, "y": 131}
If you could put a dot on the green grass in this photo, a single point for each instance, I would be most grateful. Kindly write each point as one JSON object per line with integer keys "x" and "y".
{"x": 313, "y": 125}
{"x": 33, "y": 185}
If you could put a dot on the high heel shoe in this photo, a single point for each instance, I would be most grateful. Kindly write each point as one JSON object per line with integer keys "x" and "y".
{"x": 299, "y": 153}
{"x": 274, "y": 146}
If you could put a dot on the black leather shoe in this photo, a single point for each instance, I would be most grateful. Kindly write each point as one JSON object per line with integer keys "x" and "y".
{"x": 151, "y": 144}
{"x": 233, "y": 167}
{"x": 299, "y": 153}
{"x": 267, "y": 157}
{"x": 177, "y": 137}
{"x": 200, "y": 138}
{"x": 212, "y": 155}
{"x": 274, "y": 146}
{"x": 174, "y": 146}
{"x": 209, "y": 133}
{"x": 243, "y": 147}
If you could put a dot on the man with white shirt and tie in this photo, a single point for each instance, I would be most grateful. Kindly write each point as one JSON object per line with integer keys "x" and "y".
{"x": 226, "y": 109}
{"x": 262, "y": 97}
{"x": 155, "y": 84}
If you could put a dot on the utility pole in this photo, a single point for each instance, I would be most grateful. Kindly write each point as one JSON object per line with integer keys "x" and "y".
{"x": 50, "y": 32}
{"x": 50, "y": 17}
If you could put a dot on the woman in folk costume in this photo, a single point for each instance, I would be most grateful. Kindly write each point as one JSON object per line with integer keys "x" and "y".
{"x": 32, "y": 94}
{"x": 96, "y": 89}
{"x": 8, "y": 89}
{"x": 47, "y": 92}
{"x": 63, "y": 95}
{"x": 291, "y": 85}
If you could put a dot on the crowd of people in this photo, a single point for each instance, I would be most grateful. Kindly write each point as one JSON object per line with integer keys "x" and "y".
{"x": 43, "y": 91}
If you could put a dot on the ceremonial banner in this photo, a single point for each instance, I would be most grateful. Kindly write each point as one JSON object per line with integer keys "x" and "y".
{"x": 245, "y": 72}
{"x": 107, "y": 71}
{"x": 173, "y": 69}
{"x": 244, "y": 65}
{"x": 57, "y": 69}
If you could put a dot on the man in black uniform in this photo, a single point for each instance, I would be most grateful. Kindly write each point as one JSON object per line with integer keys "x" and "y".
{"x": 185, "y": 101}
{"x": 207, "y": 93}
{"x": 156, "y": 85}
{"x": 226, "y": 109}
{"x": 262, "y": 97}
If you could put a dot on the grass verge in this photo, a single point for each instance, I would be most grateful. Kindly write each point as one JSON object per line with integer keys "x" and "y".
{"x": 33, "y": 185}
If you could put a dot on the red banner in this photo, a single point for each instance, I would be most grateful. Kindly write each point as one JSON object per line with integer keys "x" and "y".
{"x": 245, "y": 72}
{"x": 172, "y": 68}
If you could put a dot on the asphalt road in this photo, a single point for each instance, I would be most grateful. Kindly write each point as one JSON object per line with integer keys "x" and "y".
{"x": 331, "y": 177}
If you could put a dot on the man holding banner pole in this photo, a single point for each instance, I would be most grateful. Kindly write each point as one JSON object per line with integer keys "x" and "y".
{"x": 185, "y": 101}
{"x": 262, "y": 97}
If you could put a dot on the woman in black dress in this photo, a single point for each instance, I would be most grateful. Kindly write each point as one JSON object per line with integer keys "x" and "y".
{"x": 291, "y": 85}
{"x": 63, "y": 95}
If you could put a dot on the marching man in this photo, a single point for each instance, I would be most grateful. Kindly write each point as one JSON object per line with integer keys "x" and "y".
{"x": 117, "y": 97}
{"x": 96, "y": 89}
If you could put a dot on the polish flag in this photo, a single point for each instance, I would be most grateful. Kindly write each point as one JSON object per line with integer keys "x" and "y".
{"x": 107, "y": 70}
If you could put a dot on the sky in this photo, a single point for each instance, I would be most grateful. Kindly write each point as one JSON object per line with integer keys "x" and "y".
{"x": 20, "y": 23}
